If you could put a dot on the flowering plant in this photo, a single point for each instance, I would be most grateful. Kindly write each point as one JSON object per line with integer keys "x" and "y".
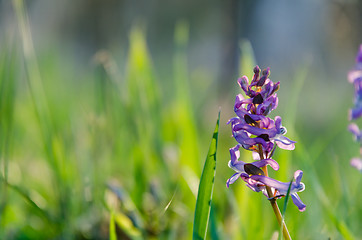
{"x": 355, "y": 77}
{"x": 256, "y": 132}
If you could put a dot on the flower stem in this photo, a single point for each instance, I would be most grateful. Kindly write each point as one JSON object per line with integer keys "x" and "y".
{"x": 273, "y": 201}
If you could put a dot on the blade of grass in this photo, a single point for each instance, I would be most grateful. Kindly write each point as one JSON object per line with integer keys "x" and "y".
{"x": 112, "y": 228}
{"x": 126, "y": 225}
{"x": 285, "y": 208}
{"x": 27, "y": 198}
{"x": 206, "y": 186}
{"x": 214, "y": 235}
{"x": 7, "y": 96}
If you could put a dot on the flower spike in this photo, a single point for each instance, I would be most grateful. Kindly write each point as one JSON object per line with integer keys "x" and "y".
{"x": 355, "y": 77}
{"x": 255, "y": 131}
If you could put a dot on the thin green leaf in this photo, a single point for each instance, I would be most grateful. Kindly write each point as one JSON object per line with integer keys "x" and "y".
{"x": 43, "y": 213}
{"x": 126, "y": 225}
{"x": 206, "y": 186}
{"x": 284, "y": 209}
{"x": 112, "y": 228}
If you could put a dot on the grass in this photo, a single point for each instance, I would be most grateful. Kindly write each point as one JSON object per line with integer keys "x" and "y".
{"x": 111, "y": 154}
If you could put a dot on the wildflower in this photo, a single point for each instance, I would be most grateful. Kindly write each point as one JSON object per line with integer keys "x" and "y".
{"x": 281, "y": 188}
{"x": 252, "y": 127}
{"x": 267, "y": 129}
{"x": 355, "y": 77}
{"x": 354, "y": 129}
{"x": 239, "y": 166}
{"x": 356, "y": 72}
{"x": 255, "y": 131}
{"x": 357, "y": 163}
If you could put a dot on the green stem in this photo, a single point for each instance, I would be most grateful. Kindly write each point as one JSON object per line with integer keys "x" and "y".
{"x": 273, "y": 201}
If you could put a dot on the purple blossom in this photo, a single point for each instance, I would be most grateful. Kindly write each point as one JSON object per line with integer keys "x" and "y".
{"x": 252, "y": 128}
{"x": 354, "y": 129}
{"x": 266, "y": 132}
{"x": 355, "y": 77}
{"x": 357, "y": 163}
{"x": 244, "y": 138}
{"x": 239, "y": 166}
{"x": 254, "y": 131}
{"x": 281, "y": 188}
{"x": 356, "y": 72}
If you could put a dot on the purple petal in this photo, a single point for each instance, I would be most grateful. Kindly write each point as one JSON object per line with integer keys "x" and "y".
{"x": 268, "y": 87}
{"x": 250, "y": 183}
{"x": 355, "y": 113}
{"x": 256, "y": 75}
{"x": 243, "y": 138}
{"x": 234, "y": 153}
{"x": 356, "y": 163}
{"x": 278, "y": 122}
{"x": 275, "y": 87}
{"x": 266, "y": 122}
{"x": 284, "y": 143}
{"x": 260, "y": 118}
{"x": 255, "y": 188}
{"x": 359, "y": 55}
{"x": 357, "y": 71}
{"x": 237, "y": 166}
{"x": 255, "y": 130}
{"x": 240, "y": 112}
{"x": 353, "y": 128}
{"x": 240, "y": 100}
{"x": 233, "y": 178}
{"x": 296, "y": 200}
{"x": 272, "y": 163}
{"x": 268, "y": 105}
{"x": 282, "y": 187}
{"x": 233, "y": 121}
{"x": 244, "y": 83}
{"x": 240, "y": 136}
{"x": 298, "y": 176}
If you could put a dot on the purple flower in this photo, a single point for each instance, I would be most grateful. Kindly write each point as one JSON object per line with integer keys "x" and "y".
{"x": 244, "y": 138}
{"x": 357, "y": 163}
{"x": 356, "y": 72}
{"x": 355, "y": 77}
{"x": 261, "y": 92}
{"x": 266, "y": 130}
{"x": 254, "y": 131}
{"x": 252, "y": 128}
{"x": 239, "y": 166}
{"x": 353, "y": 128}
{"x": 281, "y": 188}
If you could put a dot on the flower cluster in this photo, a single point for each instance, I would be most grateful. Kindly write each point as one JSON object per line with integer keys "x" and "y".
{"x": 355, "y": 77}
{"x": 254, "y": 131}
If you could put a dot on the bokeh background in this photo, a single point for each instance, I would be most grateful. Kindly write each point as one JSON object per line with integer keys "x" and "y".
{"x": 107, "y": 109}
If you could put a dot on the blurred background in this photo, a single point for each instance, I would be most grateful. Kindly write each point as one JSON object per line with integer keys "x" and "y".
{"x": 107, "y": 110}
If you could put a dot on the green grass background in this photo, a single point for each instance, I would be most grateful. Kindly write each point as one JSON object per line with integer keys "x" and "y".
{"x": 117, "y": 152}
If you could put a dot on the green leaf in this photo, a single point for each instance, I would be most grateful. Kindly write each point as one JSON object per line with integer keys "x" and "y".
{"x": 206, "y": 186}
{"x": 126, "y": 225}
{"x": 43, "y": 213}
{"x": 285, "y": 208}
{"x": 112, "y": 228}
